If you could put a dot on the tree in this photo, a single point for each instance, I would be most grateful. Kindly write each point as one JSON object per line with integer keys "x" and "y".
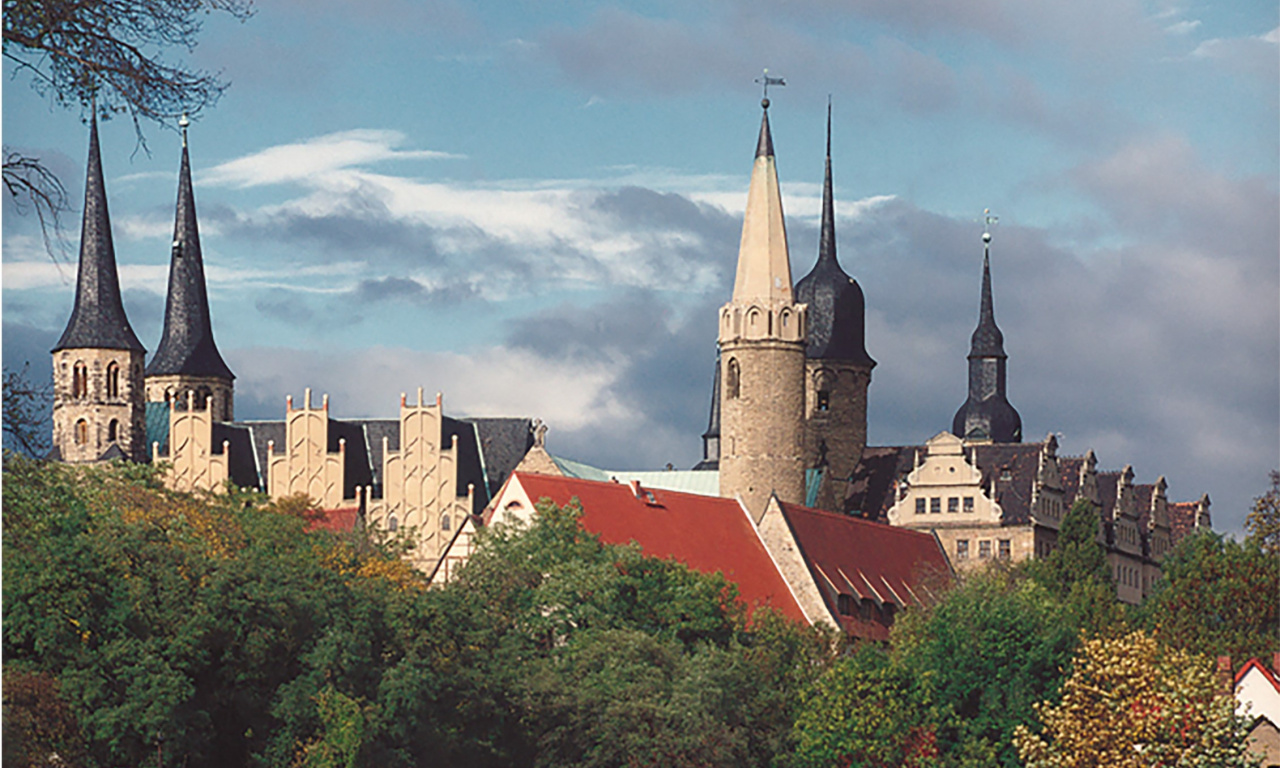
{"x": 106, "y": 55}
{"x": 26, "y": 413}
{"x": 1263, "y": 522}
{"x": 1077, "y": 574}
{"x": 1131, "y": 702}
{"x": 1216, "y": 596}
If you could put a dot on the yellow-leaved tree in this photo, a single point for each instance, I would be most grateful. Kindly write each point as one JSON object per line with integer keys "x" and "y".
{"x": 1131, "y": 702}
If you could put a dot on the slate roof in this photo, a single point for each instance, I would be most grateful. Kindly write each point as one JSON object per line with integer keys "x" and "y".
{"x": 987, "y": 340}
{"x": 1012, "y": 468}
{"x": 837, "y": 308}
{"x": 186, "y": 343}
{"x": 707, "y": 533}
{"x": 867, "y": 560}
{"x": 97, "y": 319}
{"x": 987, "y": 412}
{"x": 712, "y": 435}
{"x": 870, "y": 490}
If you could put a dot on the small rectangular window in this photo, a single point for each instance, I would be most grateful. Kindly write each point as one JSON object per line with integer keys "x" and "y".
{"x": 935, "y": 505}
{"x": 984, "y": 549}
{"x": 953, "y": 504}
{"x": 962, "y": 549}
{"x": 920, "y": 506}
{"x": 824, "y": 401}
{"x": 968, "y": 503}
{"x": 1006, "y": 549}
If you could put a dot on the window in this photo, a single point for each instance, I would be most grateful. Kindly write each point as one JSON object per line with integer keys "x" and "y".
{"x": 444, "y": 522}
{"x": 80, "y": 380}
{"x": 824, "y": 400}
{"x": 844, "y": 604}
{"x": 732, "y": 379}
{"x": 113, "y": 430}
{"x": 1006, "y": 549}
{"x": 953, "y": 504}
{"x": 920, "y": 505}
{"x": 865, "y": 609}
{"x": 962, "y": 549}
{"x": 935, "y": 505}
{"x": 984, "y": 549}
{"x": 82, "y": 432}
{"x": 392, "y": 523}
{"x": 113, "y": 380}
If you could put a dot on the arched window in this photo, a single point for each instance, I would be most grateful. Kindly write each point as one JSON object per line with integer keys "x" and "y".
{"x": 202, "y": 398}
{"x": 80, "y": 380}
{"x": 392, "y": 523}
{"x": 113, "y": 431}
{"x": 113, "y": 380}
{"x": 444, "y": 522}
{"x": 82, "y": 432}
{"x": 733, "y": 379}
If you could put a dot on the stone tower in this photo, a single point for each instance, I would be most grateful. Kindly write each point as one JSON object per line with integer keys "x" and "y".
{"x": 187, "y": 360}
{"x": 837, "y": 366}
{"x": 98, "y": 409}
{"x": 762, "y": 340}
{"x": 987, "y": 414}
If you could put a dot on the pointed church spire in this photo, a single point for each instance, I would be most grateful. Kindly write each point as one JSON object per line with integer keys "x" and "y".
{"x": 186, "y": 345}
{"x": 97, "y": 320}
{"x": 764, "y": 266}
{"x": 827, "y": 245}
{"x": 987, "y": 339}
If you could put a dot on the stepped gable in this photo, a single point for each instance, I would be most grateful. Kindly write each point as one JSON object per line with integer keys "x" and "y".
{"x": 864, "y": 560}
{"x": 97, "y": 319}
{"x": 707, "y": 533}
{"x": 186, "y": 344}
{"x": 870, "y": 491}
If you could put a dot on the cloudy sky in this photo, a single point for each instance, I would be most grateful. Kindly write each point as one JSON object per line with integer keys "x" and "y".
{"x": 535, "y": 208}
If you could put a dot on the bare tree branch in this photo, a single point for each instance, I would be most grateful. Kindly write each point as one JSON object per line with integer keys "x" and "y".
{"x": 36, "y": 189}
{"x": 26, "y": 412}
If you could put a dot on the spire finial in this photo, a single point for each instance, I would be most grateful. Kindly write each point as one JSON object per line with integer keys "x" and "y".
{"x": 183, "y": 122}
{"x": 828, "y": 126}
{"x": 767, "y": 81}
{"x": 988, "y": 221}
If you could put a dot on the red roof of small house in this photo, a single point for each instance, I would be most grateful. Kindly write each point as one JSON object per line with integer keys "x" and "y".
{"x": 867, "y": 560}
{"x": 337, "y": 520}
{"x": 1266, "y": 673}
{"x": 706, "y": 533}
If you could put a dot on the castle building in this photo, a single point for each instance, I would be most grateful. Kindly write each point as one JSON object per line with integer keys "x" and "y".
{"x": 187, "y": 360}
{"x": 98, "y": 411}
{"x": 762, "y": 347}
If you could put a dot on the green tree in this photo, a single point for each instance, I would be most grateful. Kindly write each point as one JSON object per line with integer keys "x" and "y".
{"x": 1263, "y": 521}
{"x": 1077, "y": 574}
{"x": 1216, "y": 597}
{"x": 26, "y": 413}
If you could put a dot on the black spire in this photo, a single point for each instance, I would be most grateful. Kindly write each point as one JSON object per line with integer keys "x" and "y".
{"x": 97, "y": 320}
{"x": 837, "y": 309}
{"x": 764, "y": 147}
{"x": 186, "y": 346}
{"x": 711, "y": 438}
{"x": 987, "y": 413}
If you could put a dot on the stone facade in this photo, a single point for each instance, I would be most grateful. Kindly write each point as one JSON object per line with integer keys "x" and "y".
{"x": 214, "y": 393}
{"x": 98, "y": 404}
{"x": 835, "y": 423}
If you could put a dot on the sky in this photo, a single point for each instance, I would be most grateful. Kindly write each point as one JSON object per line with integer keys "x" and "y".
{"x": 534, "y": 208}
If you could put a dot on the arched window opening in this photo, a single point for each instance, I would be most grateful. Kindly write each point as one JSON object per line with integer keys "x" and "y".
{"x": 202, "y": 398}
{"x": 82, "y": 432}
{"x": 113, "y": 380}
{"x": 113, "y": 431}
{"x": 824, "y": 400}
{"x": 80, "y": 380}
{"x": 392, "y": 523}
{"x": 733, "y": 379}
{"x": 444, "y": 522}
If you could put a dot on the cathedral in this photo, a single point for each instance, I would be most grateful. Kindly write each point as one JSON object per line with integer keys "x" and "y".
{"x": 787, "y": 427}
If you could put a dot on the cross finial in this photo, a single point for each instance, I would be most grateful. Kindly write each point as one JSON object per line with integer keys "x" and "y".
{"x": 766, "y": 81}
{"x": 988, "y": 221}
{"x": 183, "y": 122}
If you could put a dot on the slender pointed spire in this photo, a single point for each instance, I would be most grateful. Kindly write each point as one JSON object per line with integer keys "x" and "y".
{"x": 827, "y": 245}
{"x": 186, "y": 345}
{"x": 987, "y": 413}
{"x": 98, "y": 320}
{"x": 987, "y": 340}
{"x": 764, "y": 266}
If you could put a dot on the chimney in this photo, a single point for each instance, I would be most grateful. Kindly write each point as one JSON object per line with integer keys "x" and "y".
{"x": 635, "y": 489}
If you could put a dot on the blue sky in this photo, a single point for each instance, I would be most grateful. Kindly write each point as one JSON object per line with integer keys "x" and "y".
{"x": 535, "y": 208}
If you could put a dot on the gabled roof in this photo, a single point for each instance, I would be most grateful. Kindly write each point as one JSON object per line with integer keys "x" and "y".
{"x": 867, "y": 561}
{"x": 339, "y": 520}
{"x": 707, "y": 533}
{"x": 1012, "y": 468}
{"x": 870, "y": 490}
{"x": 1182, "y": 519}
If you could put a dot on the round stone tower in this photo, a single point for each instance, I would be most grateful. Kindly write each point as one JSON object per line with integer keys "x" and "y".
{"x": 762, "y": 361}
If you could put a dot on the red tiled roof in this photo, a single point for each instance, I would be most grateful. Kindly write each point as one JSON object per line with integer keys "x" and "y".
{"x": 337, "y": 520}
{"x": 1266, "y": 673}
{"x": 706, "y": 533}
{"x": 864, "y": 559}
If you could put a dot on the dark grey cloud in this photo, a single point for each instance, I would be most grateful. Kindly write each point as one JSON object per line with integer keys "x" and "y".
{"x": 280, "y": 304}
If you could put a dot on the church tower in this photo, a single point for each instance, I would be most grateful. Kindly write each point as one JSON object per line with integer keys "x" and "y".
{"x": 837, "y": 366}
{"x": 98, "y": 410}
{"x": 187, "y": 360}
{"x": 987, "y": 414}
{"x": 762, "y": 341}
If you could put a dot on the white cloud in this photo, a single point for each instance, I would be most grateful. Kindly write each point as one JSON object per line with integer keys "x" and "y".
{"x": 1183, "y": 27}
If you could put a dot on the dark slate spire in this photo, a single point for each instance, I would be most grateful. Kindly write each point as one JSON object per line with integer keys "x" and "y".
{"x": 97, "y": 320}
{"x": 987, "y": 413}
{"x": 186, "y": 346}
{"x": 837, "y": 309}
{"x": 764, "y": 147}
{"x": 711, "y": 438}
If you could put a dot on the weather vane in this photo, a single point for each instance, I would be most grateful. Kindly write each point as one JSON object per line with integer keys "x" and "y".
{"x": 183, "y": 122}
{"x": 988, "y": 221}
{"x": 767, "y": 81}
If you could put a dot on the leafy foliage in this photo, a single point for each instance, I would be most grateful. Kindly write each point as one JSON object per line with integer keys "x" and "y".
{"x": 1132, "y": 702}
{"x": 1263, "y": 521}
